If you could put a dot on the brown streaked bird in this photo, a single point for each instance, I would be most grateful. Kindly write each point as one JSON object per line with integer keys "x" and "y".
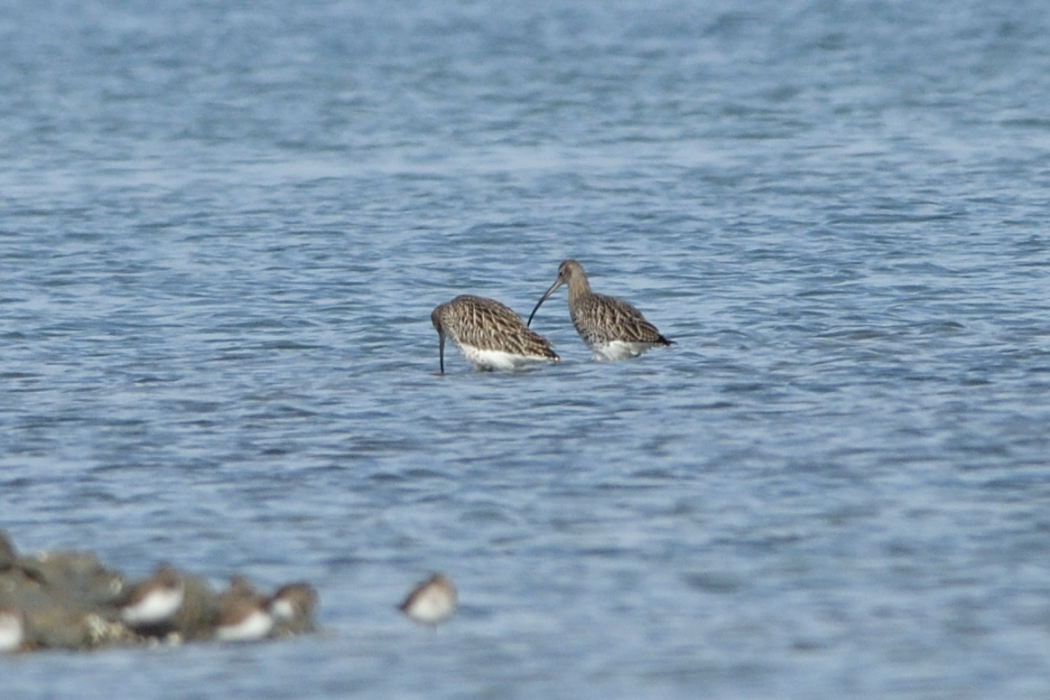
{"x": 154, "y": 600}
{"x": 612, "y": 328}
{"x": 488, "y": 334}
{"x": 432, "y": 601}
{"x": 244, "y": 615}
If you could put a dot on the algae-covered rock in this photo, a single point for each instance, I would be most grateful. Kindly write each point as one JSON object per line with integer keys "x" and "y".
{"x": 199, "y": 613}
{"x": 78, "y": 576}
{"x": 55, "y": 626}
{"x": 7, "y": 553}
{"x": 69, "y": 600}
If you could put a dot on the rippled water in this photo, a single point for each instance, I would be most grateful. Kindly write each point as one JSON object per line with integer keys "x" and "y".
{"x": 224, "y": 227}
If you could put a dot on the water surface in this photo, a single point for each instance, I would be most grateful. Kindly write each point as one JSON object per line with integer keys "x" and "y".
{"x": 224, "y": 228}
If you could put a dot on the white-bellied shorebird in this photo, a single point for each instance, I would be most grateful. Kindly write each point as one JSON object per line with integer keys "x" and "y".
{"x": 292, "y": 608}
{"x": 488, "y": 334}
{"x": 154, "y": 600}
{"x": 244, "y": 615}
{"x": 432, "y": 601}
{"x": 293, "y": 602}
{"x": 612, "y": 328}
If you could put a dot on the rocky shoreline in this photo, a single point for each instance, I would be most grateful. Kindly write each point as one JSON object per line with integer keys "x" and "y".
{"x": 69, "y": 600}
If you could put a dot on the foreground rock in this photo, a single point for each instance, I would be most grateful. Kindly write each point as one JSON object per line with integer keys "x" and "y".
{"x": 68, "y": 600}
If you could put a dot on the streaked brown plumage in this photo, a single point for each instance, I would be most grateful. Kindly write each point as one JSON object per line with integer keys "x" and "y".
{"x": 488, "y": 334}
{"x": 612, "y": 328}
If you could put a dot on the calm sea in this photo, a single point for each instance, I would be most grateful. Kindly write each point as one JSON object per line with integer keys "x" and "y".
{"x": 223, "y": 226}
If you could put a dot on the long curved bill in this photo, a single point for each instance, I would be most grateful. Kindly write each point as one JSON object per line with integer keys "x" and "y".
{"x": 557, "y": 283}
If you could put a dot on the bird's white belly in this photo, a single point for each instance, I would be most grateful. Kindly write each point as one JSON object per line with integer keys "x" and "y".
{"x": 11, "y": 633}
{"x": 432, "y": 607}
{"x": 619, "y": 350}
{"x": 158, "y": 606}
{"x": 255, "y": 626}
{"x": 496, "y": 359}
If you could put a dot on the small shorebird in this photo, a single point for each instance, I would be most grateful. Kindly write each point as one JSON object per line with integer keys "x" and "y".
{"x": 432, "y": 601}
{"x": 488, "y": 334}
{"x": 244, "y": 615}
{"x": 154, "y": 600}
{"x": 294, "y": 603}
{"x": 611, "y": 328}
{"x": 12, "y": 629}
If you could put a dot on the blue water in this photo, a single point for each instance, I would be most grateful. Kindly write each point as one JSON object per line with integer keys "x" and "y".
{"x": 223, "y": 227}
